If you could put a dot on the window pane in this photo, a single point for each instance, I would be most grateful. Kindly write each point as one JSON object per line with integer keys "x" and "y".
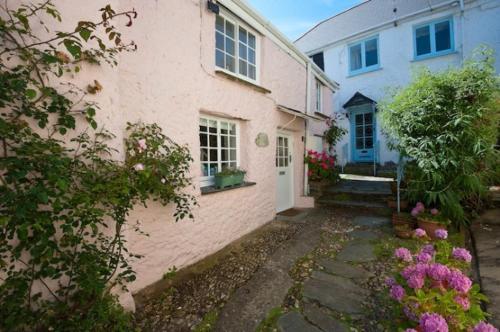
{"x": 232, "y": 129}
{"x": 204, "y": 155}
{"x": 251, "y": 56}
{"x": 213, "y": 141}
{"x": 219, "y": 59}
{"x": 359, "y": 131}
{"x": 232, "y": 142}
{"x": 243, "y": 67}
{"x": 212, "y": 126}
{"x": 213, "y": 154}
{"x": 371, "y": 53}
{"x": 230, "y": 63}
{"x": 219, "y": 41}
{"x": 213, "y": 169}
{"x": 369, "y": 142}
{"x": 443, "y": 38}
{"x": 355, "y": 57}
{"x": 368, "y": 131}
{"x": 243, "y": 35}
{"x": 359, "y": 143}
{"x": 219, "y": 24}
{"x": 232, "y": 155}
{"x": 359, "y": 119}
{"x": 251, "y": 40}
{"x": 224, "y": 141}
{"x": 368, "y": 118}
{"x": 229, "y": 46}
{"x": 423, "y": 40}
{"x": 243, "y": 51}
{"x": 251, "y": 72}
{"x": 224, "y": 155}
{"x": 203, "y": 139}
{"x": 225, "y": 166}
{"x": 204, "y": 169}
{"x": 232, "y": 165}
{"x": 229, "y": 29}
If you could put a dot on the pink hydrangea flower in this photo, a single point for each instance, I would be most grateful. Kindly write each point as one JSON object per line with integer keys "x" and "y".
{"x": 415, "y": 281}
{"x": 389, "y": 281}
{"x": 410, "y": 330}
{"x": 438, "y": 272}
{"x": 441, "y": 234}
{"x": 397, "y": 293}
{"x": 431, "y": 322}
{"x": 142, "y": 144}
{"x": 419, "y": 232}
{"x": 420, "y": 207}
{"x": 459, "y": 282}
{"x": 484, "y": 327}
{"x": 418, "y": 269}
{"x": 429, "y": 248}
{"x": 462, "y": 254}
{"x": 424, "y": 257}
{"x": 403, "y": 254}
{"x": 463, "y": 301}
{"x": 139, "y": 167}
{"x": 434, "y": 212}
{"x": 415, "y": 212}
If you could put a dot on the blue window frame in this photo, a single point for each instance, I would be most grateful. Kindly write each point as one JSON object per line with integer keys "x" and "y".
{"x": 364, "y": 56}
{"x": 433, "y": 38}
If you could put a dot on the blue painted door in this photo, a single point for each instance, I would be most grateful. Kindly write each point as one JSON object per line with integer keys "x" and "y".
{"x": 363, "y": 134}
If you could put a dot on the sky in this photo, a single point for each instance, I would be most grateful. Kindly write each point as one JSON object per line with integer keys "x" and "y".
{"x": 294, "y": 17}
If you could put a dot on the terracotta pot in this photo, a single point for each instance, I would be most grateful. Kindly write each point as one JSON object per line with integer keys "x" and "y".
{"x": 401, "y": 219}
{"x": 430, "y": 226}
{"x": 403, "y": 232}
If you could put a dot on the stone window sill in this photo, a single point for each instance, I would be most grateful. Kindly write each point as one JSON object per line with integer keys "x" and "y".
{"x": 212, "y": 189}
{"x": 235, "y": 78}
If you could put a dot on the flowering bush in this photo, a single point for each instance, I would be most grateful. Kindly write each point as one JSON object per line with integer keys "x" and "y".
{"x": 433, "y": 214}
{"x": 321, "y": 166}
{"x": 432, "y": 289}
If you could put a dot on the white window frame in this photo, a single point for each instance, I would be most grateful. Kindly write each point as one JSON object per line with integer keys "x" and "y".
{"x": 319, "y": 96}
{"x": 206, "y": 181}
{"x": 237, "y": 23}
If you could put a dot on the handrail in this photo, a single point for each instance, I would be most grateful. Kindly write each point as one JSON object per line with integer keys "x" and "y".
{"x": 400, "y": 176}
{"x": 345, "y": 155}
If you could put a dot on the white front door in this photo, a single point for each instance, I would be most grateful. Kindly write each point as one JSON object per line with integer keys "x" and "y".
{"x": 284, "y": 199}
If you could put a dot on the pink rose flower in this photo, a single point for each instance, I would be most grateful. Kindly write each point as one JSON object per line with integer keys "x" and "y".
{"x": 139, "y": 167}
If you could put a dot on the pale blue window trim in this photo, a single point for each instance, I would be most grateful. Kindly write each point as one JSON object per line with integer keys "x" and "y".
{"x": 432, "y": 35}
{"x": 364, "y": 68}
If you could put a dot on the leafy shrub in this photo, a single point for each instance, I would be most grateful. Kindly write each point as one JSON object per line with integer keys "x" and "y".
{"x": 334, "y": 133}
{"x": 447, "y": 124}
{"x": 432, "y": 288}
{"x": 231, "y": 171}
{"x": 64, "y": 199}
{"x": 321, "y": 166}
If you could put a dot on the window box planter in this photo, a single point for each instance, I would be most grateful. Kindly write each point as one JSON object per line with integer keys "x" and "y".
{"x": 229, "y": 180}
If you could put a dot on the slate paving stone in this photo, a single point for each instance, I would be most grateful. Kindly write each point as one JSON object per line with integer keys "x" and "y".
{"x": 370, "y": 221}
{"x": 333, "y": 296}
{"x": 357, "y": 252}
{"x": 364, "y": 235}
{"x": 322, "y": 320}
{"x": 294, "y": 322}
{"x": 343, "y": 269}
{"x": 336, "y": 281}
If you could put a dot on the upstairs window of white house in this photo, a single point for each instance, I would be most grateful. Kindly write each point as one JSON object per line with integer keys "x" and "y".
{"x": 363, "y": 56}
{"x": 218, "y": 147}
{"x": 235, "y": 48}
{"x": 319, "y": 96}
{"x": 433, "y": 39}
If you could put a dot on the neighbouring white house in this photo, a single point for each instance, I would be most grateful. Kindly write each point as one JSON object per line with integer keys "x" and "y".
{"x": 217, "y": 76}
{"x": 376, "y": 45}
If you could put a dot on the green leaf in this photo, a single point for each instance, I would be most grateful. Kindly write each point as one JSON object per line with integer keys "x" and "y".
{"x": 85, "y": 34}
{"x": 30, "y": 93}
{"x": 73, "y": 48}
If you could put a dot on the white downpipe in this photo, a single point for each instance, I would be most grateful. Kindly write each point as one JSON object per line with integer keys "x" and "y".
{"x": 462, "y": 28}
{"x": 380, "y": 25}
{"x": 306, "y": 130}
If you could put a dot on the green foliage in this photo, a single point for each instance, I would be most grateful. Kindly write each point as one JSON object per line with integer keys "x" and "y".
{"x": 446, "y": 123}
{"x": 64, "y": 198}
{"x": 231, "y": 171}
{"x": 208, "y": 322}
{"x": 334, "y": 133}
{"x": 269, "y": 323}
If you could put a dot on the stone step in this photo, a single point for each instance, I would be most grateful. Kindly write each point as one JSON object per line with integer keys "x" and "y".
{"x": 367, "y": 169}
{"x": 348, "y": 203}
{"x": 363, "y": 187}
{"x": 359, "y": 197}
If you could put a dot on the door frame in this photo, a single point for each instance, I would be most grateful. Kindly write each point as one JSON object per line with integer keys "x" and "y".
{"x": 290, "y": 164}
{"x": 353, "y": 110}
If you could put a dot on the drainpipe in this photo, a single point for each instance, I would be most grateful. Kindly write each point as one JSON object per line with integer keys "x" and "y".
{"x": 462, "y": 28}
{"x": 306, "y": 129}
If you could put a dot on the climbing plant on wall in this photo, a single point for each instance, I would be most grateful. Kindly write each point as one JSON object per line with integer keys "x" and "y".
{"x": 64, "y": 195}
